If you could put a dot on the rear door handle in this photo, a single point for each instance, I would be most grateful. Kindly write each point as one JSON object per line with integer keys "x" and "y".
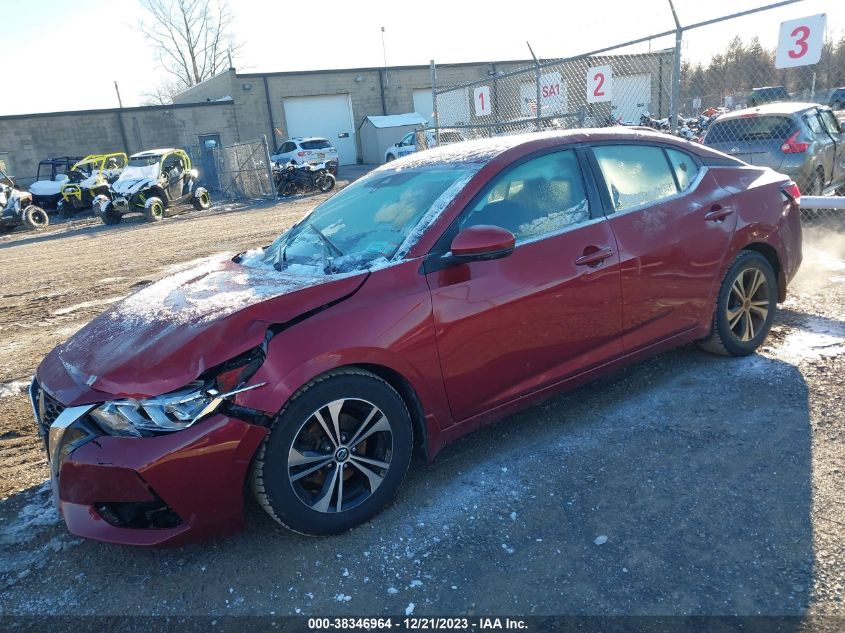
{"x": 718, "y": 213}
{"x": 594, "y": 257}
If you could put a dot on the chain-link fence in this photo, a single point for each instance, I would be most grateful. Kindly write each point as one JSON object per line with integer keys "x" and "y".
{"x": 753, "y": 99}
{"x": 236, "y": 171}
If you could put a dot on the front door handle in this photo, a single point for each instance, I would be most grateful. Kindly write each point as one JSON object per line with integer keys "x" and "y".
{"x": 718, "y": 213}
{"x": 593, "y": 256}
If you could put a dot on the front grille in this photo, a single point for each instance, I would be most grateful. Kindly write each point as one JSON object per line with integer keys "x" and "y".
{"x": 47, "y": 408}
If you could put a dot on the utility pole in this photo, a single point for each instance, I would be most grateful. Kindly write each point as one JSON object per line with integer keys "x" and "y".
{"x": 119, "y": 100}
{"x": 384, "y": 57}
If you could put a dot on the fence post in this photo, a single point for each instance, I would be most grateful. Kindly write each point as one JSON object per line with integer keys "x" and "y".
{"x": 434, "y": 103}
{"x": 537, "y": 72}
{"x": 675, "y": 95}
{"x": 269, "y": 165}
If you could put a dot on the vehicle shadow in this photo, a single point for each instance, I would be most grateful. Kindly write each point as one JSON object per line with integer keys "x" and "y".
{"x": 681, "y": 486}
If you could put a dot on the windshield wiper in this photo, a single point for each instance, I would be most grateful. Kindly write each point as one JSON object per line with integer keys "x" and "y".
{"x": 326, "y": 240}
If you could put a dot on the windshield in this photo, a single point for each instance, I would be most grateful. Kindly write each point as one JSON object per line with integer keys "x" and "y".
{"x": 141, "y": 167}
{"x": 367, "y": 221}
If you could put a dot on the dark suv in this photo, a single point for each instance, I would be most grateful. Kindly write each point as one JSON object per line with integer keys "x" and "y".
{"x": 837, "y": 99}
{"x": 768, "y": 94}
{"x": 802, "y": 140}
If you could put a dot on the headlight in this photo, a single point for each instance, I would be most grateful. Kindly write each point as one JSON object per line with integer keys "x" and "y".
{"x": 179, "y": 409}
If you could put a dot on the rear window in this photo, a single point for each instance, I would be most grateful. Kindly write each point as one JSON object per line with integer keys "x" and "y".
{"x": 316, "y": 144}
{"x": 758, "y": 128}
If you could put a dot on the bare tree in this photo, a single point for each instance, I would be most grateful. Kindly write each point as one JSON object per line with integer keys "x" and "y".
{"x": 192, "y": 39}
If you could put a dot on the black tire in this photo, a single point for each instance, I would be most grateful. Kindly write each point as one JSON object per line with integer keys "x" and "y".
{"x": 326, "y": 183}
{"x": 286, "y": 189}
{"x": 154, "y": 209}
{"x": 65, "y": 209}
{"x": 35, "y": 217}
{"x": 110, "y": 216}
{"x": 729, "y": 336}
{"x": 202, "y": 201}
{"x": 815, "y": 187}
{"x": 291, "y": 502}
{"x": 390, "y": 157}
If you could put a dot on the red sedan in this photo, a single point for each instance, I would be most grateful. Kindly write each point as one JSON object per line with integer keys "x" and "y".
{"x": 436, "y": 294}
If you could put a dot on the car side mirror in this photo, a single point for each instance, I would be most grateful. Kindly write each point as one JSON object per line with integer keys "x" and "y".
{"x": 483, "y": 242}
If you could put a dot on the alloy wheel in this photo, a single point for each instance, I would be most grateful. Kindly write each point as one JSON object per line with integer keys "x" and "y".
{"x": 340, "y": 455}
{"x": 748, "y": 304}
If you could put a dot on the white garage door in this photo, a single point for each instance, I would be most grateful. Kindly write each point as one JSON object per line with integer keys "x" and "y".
{"x": 631, "y": 97}
{"x": 453, "y": 107}
{"x": 423, "y": 105}
{"x": 329, "y": 116}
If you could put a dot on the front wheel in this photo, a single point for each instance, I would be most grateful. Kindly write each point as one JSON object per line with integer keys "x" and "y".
{"x": 154, "y": 209}
{"x": 326, "y": 183}
{"x": 336, "y": 455}
{"x": 35, "y": 217}
{"x": 745, "y": 307}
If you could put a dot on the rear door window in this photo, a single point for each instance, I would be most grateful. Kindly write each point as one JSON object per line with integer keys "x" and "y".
{"x": 814, "y": 123}
{"x": 830, "y": 123}
{"x": 753, "y": 128}
{"x": 685, "y": 166}
{"x": 635, "y": 175}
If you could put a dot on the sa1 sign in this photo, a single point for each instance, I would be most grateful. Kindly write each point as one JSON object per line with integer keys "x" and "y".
{"x": 552, "y": 93}
{"x": 481, "y": 98}
{"x": 800, "y": 42}
{"x": 599, "y": 84}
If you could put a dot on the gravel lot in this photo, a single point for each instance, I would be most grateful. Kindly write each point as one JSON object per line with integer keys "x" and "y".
{"x": 688, "y": 484}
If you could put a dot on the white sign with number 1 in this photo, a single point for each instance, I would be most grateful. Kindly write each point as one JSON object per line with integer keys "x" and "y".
{"x": 482, "y": 101}
{"x": 800, "y": 42}
{"x": 599, "y": 84}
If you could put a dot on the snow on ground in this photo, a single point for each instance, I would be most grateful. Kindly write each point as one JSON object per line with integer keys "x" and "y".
{"x": 13, "y": 387}
{"x": 34, "y": 519}
{"x": 814, "y": 338}
{"x": 86, "y": 304}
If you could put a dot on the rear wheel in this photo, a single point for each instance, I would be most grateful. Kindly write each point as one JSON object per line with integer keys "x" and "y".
{"x": 154, "y": 209}
{"x": 201, "y": 201}
{"x": 35, "y": 217}
{"x": 745, "y": 307}
{"x": 336, "y": 455}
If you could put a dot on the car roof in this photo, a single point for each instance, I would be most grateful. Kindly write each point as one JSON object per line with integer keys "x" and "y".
{"x": 153, "y": 152}
{"x": 308, "y": 138}
{"x": 779, "y": 107}
{"x": 481, "y": 151}
{"x": 778, "y": 88}
{"x": 61, "y": 160}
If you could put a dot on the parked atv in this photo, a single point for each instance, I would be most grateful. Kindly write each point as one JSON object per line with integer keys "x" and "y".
{"x": 152, "y": 182}
{"x": 16, "y": 207}
{"x": 104, "y": 170}
{"x": 52, "y": 174}
{"x": 292, "y": 179}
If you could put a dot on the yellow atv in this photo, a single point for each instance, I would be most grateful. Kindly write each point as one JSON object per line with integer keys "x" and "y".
{"x": 104, "y": 169}
{"x": 152, "y": 182}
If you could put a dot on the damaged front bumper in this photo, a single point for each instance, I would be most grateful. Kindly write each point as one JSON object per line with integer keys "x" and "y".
{"x": 121, "y": 204}
{"x": 168, "y": 489}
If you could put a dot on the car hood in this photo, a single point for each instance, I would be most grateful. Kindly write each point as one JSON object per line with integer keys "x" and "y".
{"x": 131, "y": 185}
{"x": 165, "y": 335}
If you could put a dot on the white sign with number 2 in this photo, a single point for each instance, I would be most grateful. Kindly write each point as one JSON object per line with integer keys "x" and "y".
{"x": 800, "y": 42}
{"x": 483, "y": 106}
{"x": 599, "y": 84}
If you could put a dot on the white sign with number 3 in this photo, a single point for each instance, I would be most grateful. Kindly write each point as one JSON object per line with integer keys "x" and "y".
{"x": 481, "y": 96}
{"x": 800, "y": 42}
{"x": 599, "y": 84}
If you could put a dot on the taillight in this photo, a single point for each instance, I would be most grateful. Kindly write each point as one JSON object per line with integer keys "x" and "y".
{"x": 793, "y": 146}
{"x": 305, "y": 153}
{"x": 791, "y": 191}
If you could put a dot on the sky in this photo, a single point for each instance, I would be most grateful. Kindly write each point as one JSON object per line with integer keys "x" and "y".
{"x": 95, "y": 42}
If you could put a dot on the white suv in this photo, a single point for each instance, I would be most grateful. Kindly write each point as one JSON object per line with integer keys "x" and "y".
{"x": 408, "y": 144}
{"x": 307, "y": 149}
